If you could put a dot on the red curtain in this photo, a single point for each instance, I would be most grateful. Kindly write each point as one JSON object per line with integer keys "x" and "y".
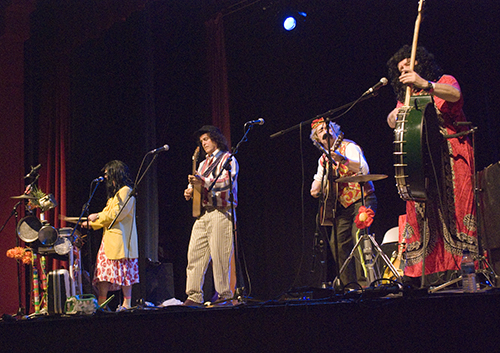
{"x": 217, "y": 69}
{"x": 14, "y": 27}
{"x": 74, "y": 26}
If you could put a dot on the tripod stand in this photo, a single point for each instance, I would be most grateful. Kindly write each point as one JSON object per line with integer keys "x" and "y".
{"x": 366, "y": 239}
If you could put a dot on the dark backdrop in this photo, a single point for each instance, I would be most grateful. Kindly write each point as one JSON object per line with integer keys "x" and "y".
{"x": 338, "y": 52}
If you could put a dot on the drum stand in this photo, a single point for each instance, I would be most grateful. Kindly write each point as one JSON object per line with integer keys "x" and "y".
{"x": 367, "y": 239}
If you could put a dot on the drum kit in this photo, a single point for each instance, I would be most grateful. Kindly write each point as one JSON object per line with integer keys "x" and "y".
{"x": 45, "y": 239}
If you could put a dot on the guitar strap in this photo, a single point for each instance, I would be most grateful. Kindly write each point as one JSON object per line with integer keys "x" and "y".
{"x": 214, "y": 164}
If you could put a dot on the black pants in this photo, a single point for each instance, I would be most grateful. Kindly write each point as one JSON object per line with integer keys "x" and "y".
{"x": 346, "y": 236}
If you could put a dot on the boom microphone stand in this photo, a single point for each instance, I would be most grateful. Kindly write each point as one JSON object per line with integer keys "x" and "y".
{"x": 78, "y": 276}
{"x": 327, "y": 116}
{"x": 138, "y": 179}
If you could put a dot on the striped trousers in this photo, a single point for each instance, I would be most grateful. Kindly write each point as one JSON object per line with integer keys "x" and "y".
{"x": 211, "y": 238}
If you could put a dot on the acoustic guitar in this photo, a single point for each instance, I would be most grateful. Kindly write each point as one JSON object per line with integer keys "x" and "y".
{"x": 196, "y": 188}
{"x": 397, "y": 261}
{"x": 329, "y": 201}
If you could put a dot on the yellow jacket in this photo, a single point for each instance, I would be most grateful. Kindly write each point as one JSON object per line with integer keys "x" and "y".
{"x": 120, "y": 242}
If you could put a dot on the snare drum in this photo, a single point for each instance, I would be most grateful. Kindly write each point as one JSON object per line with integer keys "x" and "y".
{"x": 28, "y": 228}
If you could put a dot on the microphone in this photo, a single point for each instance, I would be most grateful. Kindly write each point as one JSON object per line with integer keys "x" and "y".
{"x": 259, "y": 121}
{"x": 383, "y": 81}
{"x": 159, "y": 149}
{"x": 98, "y": 180}
{"x": 33, "y": 172}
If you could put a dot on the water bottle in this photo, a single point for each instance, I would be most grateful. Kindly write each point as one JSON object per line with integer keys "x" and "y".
{"x": 468, "y": 272}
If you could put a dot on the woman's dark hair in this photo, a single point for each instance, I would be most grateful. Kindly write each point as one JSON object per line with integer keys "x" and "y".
{"x": 118, "y": 176}
{"x": 425, "y": 66}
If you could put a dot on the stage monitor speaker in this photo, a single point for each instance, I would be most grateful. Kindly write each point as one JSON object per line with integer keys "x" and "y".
{"x": 489, "y": 206}
{"x": 489, "y": 212}
{"x": 159, "y": 283}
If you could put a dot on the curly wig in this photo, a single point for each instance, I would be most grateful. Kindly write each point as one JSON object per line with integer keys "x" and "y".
{"x": 425, "y": 66}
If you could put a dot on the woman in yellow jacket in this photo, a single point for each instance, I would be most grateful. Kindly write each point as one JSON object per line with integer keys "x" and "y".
{"x": 117, "y": 264}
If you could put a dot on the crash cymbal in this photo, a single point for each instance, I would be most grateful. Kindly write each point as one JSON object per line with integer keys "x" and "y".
{"x": 24, "y": 196}
{"x": 72, "y": 219}
{"x": 361, "y": 178}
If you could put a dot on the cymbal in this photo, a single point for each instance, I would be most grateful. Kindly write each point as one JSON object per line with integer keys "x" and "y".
{"x": 361, "y": 178}
{"x": 72, "y": 219}
{"x": 24, "y": 196}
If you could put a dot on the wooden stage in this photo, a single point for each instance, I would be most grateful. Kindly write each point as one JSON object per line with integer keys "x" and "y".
{"x": 408, "y": 321}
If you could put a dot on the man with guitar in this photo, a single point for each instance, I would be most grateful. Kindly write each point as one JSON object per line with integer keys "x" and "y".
{"x": 341, "y": 201}
{"x": 212, "y": 233}
{"x": 448, "y": 208}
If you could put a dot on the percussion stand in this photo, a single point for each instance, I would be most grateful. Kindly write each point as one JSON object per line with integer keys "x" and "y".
{"x": 367, "y": 240}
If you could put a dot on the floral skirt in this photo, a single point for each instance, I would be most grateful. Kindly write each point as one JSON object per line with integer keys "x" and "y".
{"x": 122, "y": 272}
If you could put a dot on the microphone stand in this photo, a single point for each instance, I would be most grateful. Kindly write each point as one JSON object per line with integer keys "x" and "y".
{"x": 136, "y": 184}
{"x": 331, "y": 182}
{"x": 327, "y": 114}
{"x": 239, "y": 292}
{"x": 20, "y": 310}
{"x": 327, "y": 118}
{"x": 142, "y": 301}
{"x": 85, "y": 210}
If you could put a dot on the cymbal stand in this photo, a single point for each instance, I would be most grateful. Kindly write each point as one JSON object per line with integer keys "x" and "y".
{"x": 369, "y": 241}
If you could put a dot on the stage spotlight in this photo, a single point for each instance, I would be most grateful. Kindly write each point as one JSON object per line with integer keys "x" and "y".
{"x": 290, "y": 21}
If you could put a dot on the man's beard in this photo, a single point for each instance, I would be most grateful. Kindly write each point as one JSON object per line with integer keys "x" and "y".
{"x": 325, "y": 136}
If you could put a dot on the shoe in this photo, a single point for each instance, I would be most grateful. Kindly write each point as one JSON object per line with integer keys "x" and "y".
{"x": 190, "y": 302}
{"x": 122, "y": 308}
{"x": 223, "y": 303}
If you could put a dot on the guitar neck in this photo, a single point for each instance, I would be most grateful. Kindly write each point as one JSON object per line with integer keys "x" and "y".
{"x": 414, "y": 48}
{"x": 196, "y": 188}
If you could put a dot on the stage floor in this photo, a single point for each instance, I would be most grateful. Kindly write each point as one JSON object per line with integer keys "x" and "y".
{"x": 409, "y": 321}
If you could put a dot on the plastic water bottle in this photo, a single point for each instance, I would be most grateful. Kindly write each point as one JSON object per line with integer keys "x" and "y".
{"x": 468, "y": 272}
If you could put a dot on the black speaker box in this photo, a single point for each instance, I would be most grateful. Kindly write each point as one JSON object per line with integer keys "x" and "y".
{"x": 158, "y": 283}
